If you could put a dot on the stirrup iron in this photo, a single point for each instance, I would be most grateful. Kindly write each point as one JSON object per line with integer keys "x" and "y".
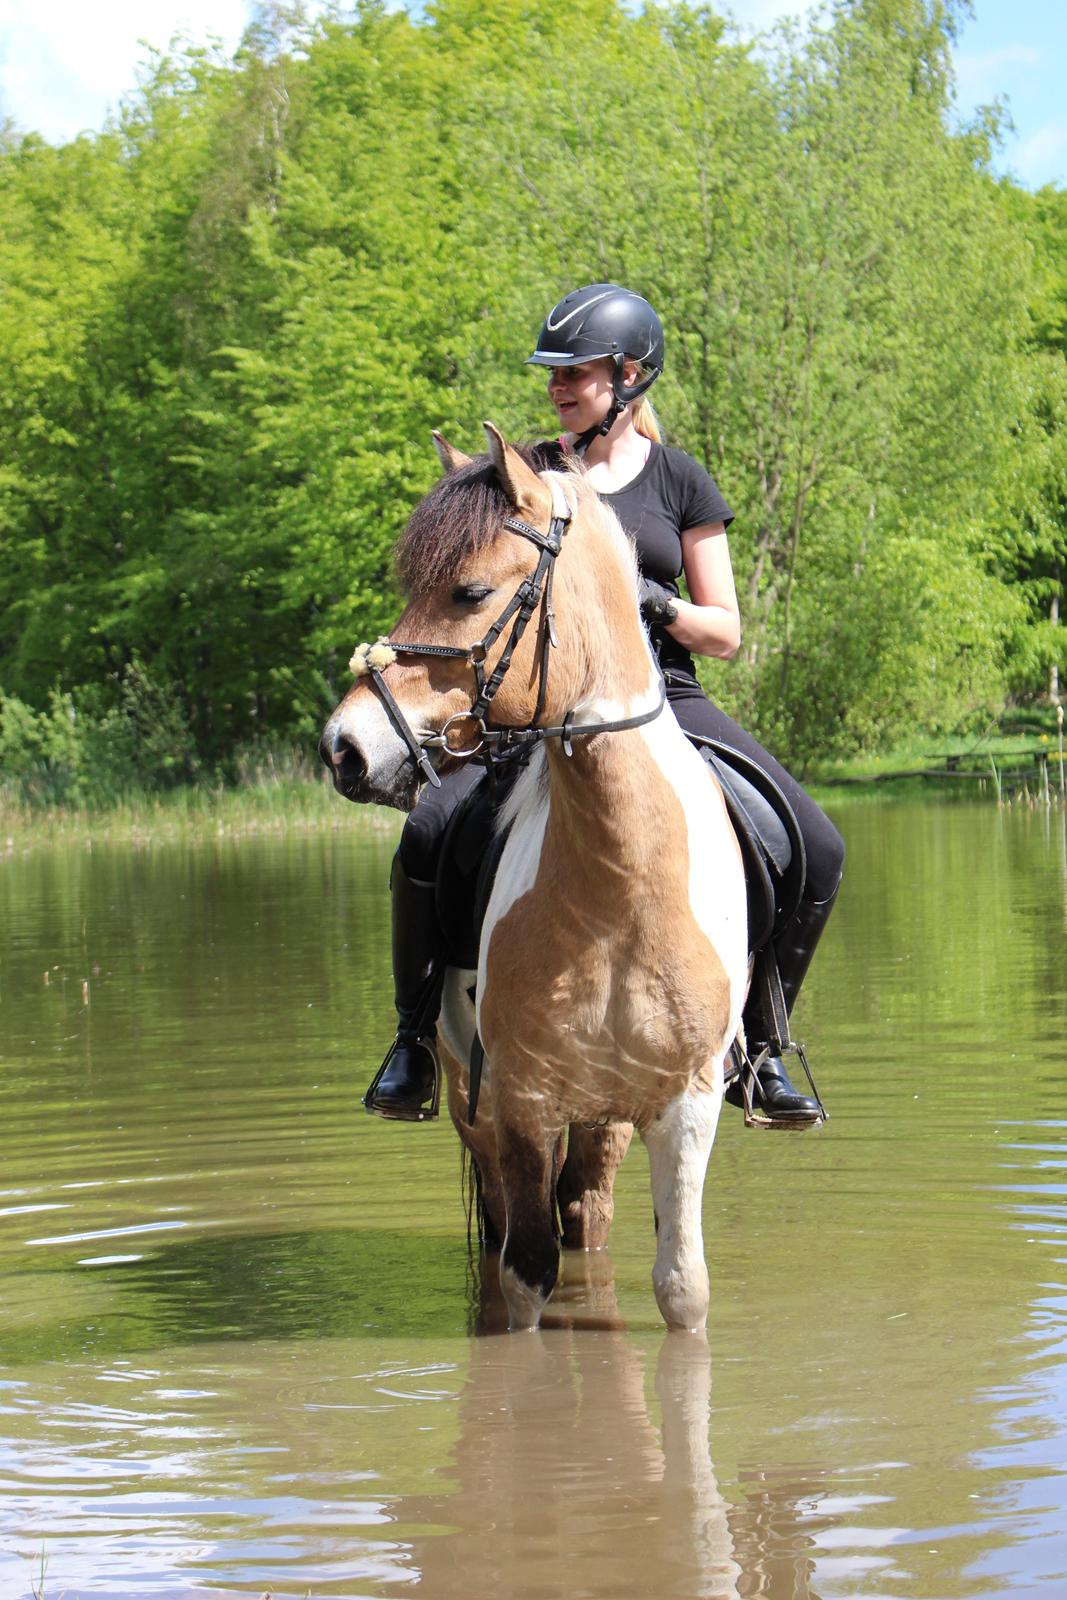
{"x": 755, "y": 1116}
{"x": 427, "y": 1111}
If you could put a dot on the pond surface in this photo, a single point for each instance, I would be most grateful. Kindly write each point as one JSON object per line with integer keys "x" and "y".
{"x": 242, "y": 1350}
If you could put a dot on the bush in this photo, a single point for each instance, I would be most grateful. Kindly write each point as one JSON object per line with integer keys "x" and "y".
{"x": 71, "y": 752}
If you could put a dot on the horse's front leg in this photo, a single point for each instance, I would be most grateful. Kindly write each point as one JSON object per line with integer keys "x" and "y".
{"x": 679, "y": 1143}
{"x": 529, "y": 1262}
{"x": 584, "y": 1190}
{"x": 456, "y": 1038}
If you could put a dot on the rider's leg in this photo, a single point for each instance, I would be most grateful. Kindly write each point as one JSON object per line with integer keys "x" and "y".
{"x": 410, "y": 1073}
{"x": 793, "y": 949}
{"x": 408, "y": 1077}
{"x": 795, "y": 946}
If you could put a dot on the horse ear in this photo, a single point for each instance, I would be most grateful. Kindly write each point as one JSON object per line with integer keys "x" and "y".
{"x": 451, "y": 458}
{"x": 524, "y": 488}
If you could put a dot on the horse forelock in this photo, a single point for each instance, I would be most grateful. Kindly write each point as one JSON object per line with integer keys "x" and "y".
{"x": 460, "y": 517}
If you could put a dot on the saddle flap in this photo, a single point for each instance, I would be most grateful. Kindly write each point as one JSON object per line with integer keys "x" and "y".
{"x": 769, "y": 835}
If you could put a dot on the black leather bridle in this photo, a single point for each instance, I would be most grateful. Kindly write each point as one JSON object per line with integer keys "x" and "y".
{"x": 535, "y": 591}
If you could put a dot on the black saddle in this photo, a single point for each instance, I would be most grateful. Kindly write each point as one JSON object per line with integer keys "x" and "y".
{"x": 767, "y": 831}
{"x": 772, "y": 845}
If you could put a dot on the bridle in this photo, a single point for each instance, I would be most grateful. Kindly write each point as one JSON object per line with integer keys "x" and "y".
{"x": 533, "y": 593}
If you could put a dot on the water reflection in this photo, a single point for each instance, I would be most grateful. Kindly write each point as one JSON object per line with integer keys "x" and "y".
{"x": 560, "y": 1481}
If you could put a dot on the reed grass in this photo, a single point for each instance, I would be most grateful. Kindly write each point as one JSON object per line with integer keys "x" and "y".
{"x": 279, "y": 801}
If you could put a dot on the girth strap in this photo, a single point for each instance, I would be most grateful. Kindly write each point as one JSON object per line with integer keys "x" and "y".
{"x": 475, "y": 1082}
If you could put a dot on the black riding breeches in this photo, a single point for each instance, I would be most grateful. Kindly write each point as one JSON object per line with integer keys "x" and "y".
{"x": 420, "y": 842}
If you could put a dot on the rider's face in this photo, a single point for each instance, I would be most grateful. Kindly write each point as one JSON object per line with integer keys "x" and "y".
{"x": 581, "y": 394}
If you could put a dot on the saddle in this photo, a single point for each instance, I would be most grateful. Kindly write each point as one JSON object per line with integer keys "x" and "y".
{"x": 768, "y": 834}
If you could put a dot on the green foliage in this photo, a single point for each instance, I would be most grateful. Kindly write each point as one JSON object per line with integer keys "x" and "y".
{"x": 229, "y": 322}
{"x": 80, "y": 748}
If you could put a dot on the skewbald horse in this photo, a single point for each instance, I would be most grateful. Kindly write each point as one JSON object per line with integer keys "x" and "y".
{"x": 613, "y": 957}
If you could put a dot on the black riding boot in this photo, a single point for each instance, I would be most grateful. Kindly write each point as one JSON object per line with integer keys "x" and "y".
{"x": 773, "y": 1093}
{"x": 407, "y": 1085}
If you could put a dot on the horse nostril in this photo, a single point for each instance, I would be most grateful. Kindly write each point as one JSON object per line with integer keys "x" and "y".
{"x": 344, "y": 759}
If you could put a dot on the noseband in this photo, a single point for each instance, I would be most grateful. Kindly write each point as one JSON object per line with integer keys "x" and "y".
{"x": 534, "y": 591}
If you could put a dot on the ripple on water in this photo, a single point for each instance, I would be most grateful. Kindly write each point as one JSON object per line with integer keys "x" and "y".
{"x": 236, "y": 1312}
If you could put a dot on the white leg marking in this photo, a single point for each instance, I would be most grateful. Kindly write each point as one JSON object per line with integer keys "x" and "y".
{"x": 679, "y": 1143}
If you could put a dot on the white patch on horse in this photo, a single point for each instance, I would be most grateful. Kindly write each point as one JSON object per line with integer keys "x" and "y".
{"x": 679, "y": 1144}
{"x": 457, "y": 1012}
{"x": 527, "y": 810}
{"x": 716, "y": 873}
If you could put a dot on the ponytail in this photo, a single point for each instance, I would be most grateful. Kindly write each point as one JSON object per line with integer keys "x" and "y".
{"x": 645, "y": 419}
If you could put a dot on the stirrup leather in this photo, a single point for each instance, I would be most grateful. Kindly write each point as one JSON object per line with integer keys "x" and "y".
{"x": 426, "y": 1112}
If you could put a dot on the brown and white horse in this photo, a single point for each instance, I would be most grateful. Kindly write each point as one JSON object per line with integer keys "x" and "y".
{"x": 613, "y": 957}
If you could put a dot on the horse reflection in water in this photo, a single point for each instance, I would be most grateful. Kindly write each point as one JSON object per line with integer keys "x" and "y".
{"x": 613, "y": 957}
{"x": 562, "y": 1481}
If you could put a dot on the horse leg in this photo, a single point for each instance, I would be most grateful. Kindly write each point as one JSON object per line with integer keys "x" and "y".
{"x": 529, "y": 1262}
{"x": 480, "y": 1143}
{"x": 584, "y": 1190}
{"x": 679, "y": 1143}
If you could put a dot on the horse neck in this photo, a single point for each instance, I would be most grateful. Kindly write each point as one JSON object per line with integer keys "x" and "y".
{"x": 614, "y": 792}
{"x": 604, "y": 659}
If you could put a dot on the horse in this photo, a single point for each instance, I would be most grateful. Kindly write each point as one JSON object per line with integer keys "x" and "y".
{"x": 613, "y": 955}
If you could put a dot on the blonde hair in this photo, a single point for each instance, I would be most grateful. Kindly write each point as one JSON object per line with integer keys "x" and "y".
{"x": 645, "y": 419}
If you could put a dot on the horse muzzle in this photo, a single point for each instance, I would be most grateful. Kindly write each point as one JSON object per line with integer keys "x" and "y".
{"x": 366, "y": 782}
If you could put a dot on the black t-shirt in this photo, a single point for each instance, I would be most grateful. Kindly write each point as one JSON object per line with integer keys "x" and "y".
{"x": 670, "y": 494}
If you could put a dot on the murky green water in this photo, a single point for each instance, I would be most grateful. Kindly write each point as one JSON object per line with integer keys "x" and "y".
{"x": 237, "y": 1325}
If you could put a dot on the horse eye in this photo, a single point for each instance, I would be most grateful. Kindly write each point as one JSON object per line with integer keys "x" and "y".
{"x": 470, "y": 594}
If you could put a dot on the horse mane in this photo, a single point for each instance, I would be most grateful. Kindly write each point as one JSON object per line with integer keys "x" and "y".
{"x": 460, "y": 517}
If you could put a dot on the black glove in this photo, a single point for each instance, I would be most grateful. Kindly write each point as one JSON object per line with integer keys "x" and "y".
{"x": 657, "y": 603}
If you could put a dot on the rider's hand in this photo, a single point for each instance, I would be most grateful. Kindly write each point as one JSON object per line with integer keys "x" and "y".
{"x": 657, "y": 603}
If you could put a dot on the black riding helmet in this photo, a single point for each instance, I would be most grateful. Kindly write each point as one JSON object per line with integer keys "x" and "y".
{"x": 603, "y": 319}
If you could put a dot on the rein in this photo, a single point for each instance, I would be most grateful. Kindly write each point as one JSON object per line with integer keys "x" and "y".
{"x": 533, "y": 592}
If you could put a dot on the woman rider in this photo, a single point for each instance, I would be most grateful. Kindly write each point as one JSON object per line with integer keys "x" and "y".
{"x": 603, "y": 347}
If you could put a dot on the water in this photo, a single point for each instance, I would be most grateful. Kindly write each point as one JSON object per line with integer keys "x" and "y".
{"x": 241, "y": 1349}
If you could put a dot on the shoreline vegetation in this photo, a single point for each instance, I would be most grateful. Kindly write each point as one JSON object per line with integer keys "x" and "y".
{"x": 296, "y": 800}
{"x": 1017, "y": 765}
{"x": 230, "y": 320}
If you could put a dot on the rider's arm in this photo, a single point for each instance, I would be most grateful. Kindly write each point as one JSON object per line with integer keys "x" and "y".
{"x": 709, "y": 623}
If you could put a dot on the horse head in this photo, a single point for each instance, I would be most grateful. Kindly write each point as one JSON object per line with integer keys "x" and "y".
{"x": 506, "y": 627}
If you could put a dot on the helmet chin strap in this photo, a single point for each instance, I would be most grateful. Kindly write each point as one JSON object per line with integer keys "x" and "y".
{"x": 584, "y": 440}
{"x": 621, "y": 396}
